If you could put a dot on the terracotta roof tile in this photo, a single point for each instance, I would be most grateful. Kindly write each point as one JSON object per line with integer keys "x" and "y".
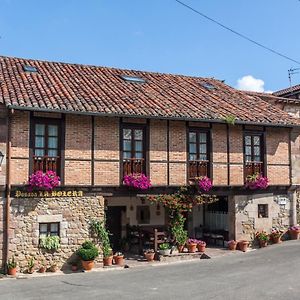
{"x": 90, "y": 89}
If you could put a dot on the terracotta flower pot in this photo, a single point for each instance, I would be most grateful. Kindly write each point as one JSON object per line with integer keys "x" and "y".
{"x": 276, "y": 239}
{"x": 263, "y": 243}
{"x": 243, "y": 245}
{"x": 107, "y": 261}
{"x": 119, "y": 260}
{"x": 12, "y": 272}
{"x": 192, "y": 248}
{"x": 180, "y": 248}
{"x": 294, "y": 234}
{"x": 87, "y": 265}
{"x": 232, "y": 246}
{"x": 201, "y": 248}
{"x": 42, "y": 269}
{"x": 149, "y": 256}
{"x": 30, "y": 270}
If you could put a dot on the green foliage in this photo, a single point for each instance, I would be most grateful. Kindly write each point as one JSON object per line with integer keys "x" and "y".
{"x": 230, "y": 119}
{"x": 88, "y": 251}
{"x": 177, "y": 228}
{"x": 164, "y": 246}
{"x": 31, "y": 263}
{"x": 50, "y": 242}
{"x": 11, "y": 264}
{"x": 98, "y": 228}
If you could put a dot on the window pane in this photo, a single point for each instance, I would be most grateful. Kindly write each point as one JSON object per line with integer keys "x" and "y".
{"x": 52, "y": 153}
{"x": 248, "y": 150}
{"x": 126, "y": 155}
{"x": 203, "y": 157}
{"x": 139, "y": 155}
{"x": 40, "y": 129}
{"x": 53, "y": 130}
{"x": 202, "y": 137}
{"x": 192, "y": 157}
{"x": 256, "y": 150}
{"x": 192, "y": 137}
{"x": 39, "y": 141}
{"x": 52, "y": 142}
{"x": 248, "y": 140}
{"x": 138, "y": 134}
{"x": 203, "y": 148}
{"x": 126, "y": 145}
{"x": 256, "y": 140}
{"x": 193, "y": 148}
{"x": 43, "y": 228}
{"x": 127, "y": 134}
{"x": 248, "y": 157}
{"x": 138, "y": 146}
{"x": 54, "y": 227}
{"x": 257, "y": 158}
{"x": 39, "y": 152}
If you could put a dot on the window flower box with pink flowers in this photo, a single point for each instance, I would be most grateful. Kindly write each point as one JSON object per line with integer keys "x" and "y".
{"x": 257, "y": 182}
{"x": 204, "y": 183}
{"x": 40, "y": 181}
{"x": 137, "y": 181}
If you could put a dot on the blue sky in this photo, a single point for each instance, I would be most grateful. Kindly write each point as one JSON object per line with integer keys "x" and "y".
{"x": 158, "y": 35}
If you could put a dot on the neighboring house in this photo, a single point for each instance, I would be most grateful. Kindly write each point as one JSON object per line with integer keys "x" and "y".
{"x": 93, "y": 125}
{"x": 292, "y": 92}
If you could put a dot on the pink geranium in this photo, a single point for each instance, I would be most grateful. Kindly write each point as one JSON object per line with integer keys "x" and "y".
{"x": 138, "y": 181}
{"x": 43, "y": 181}
{"x": 204, "y": 183}
{"x": 257, "y": 181}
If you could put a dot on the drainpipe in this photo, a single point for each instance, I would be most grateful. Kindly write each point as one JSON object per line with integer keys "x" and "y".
{"x": 7, "y": 190}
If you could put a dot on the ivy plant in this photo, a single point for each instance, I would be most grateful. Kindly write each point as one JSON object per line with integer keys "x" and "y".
{"x": 50, "y": 242}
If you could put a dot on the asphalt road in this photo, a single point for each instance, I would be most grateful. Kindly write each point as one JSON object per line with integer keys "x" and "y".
{"x": 270, "y": 273}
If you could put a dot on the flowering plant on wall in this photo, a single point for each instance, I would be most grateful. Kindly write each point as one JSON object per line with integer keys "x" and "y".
{"x": 204, "y": 183}
{"x": 43, "y": 181}
{"x": 138, "y": 181}
{"x": 257, "y": 181}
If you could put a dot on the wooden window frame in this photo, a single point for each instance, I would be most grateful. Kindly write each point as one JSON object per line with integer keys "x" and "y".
{"x": 49, "y": 228}
{"x": 265, "y": 210}
{"x": 198, "y": 131}
{"x": 139, "y": 209}
{"x": 262, "y": 161}
{"x": 133, "y": 127}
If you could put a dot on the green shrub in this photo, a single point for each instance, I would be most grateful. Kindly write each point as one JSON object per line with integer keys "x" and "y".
{"x": 88, "y": 251}
{"x": 50, "y": 242}
{"x": 11, "y": 264}
{"x": 164, "y": 246}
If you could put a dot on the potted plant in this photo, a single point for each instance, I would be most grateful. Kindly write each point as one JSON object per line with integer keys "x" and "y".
{"x": 42, "y": 268}
{"x": 294, "y": 232}
{"x": 30, "y": 265}
{"x": 204, "y": 183}
{"x": 53, "y": 268}
{"x": 243, "y": 245}
{"x": 232, "y": 245}
{"x": 262, "y": 238}
{"x": 201, "y": 246}
{"x": 88, "y": 252}
{"x": 276, "y": 236}
{"x": 257, "y": 181}
{"x": 12, "y": 267}
{"x": 137, "y": 181}
{"x": 149, "y": 254}
{"x": 192, "y": 245}
{"x": 164, "y": 249}
{"x": 119, "y": 258}
{"x": 43, "y": 181}
{"x": 51, "y": 243}
{"x": 179, "y": 234}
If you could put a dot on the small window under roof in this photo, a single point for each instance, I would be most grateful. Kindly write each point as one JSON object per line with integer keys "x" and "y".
{"x": 28, "y": 68}
{"x": 208, "y": 86}
{"x": 133, "y": 78}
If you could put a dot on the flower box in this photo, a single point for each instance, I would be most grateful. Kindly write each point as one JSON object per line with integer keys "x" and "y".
{"x": 257, "y": 182}
{"x": 137, "y": 181}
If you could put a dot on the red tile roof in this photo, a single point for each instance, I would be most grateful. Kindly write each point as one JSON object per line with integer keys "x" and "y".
{"x": 283, "y": 92}
{"x": 97, "y": 90}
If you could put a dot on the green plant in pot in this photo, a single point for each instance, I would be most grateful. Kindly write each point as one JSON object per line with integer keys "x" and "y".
{"x": 99, "y": 228}
{"x": 88, "y": 252}
{"x": 30, "y": 265}
{"x": 12, "y": 267}
{"x": 164, "y": 249}
{"x": 179, "y": 233}
{"x": 51, "y": 243}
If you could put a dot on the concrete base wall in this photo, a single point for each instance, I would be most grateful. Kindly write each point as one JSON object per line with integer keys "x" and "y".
{"x": 73, "y": 214}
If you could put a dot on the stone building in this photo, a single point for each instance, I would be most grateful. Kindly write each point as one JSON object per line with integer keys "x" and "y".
{"x": 94, "y": 125}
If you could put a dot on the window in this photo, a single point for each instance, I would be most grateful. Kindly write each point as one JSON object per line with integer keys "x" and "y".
{"x": 198, "y": 153}
{"x": 133, "y": 150}
{"x": 46, "y": 145}
{"x": 208, "y": 86}
{"x": 49, "y": 229}
{"x": 253, "y": 154}
{"x": 29, "y": 69}
{"x": 133, "y": 79}
{"x": 143, "y": 214}
{"x": 262, "y": 210}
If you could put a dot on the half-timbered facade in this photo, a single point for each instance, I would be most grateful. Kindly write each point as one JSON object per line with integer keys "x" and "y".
{"x": 94, "y": 125}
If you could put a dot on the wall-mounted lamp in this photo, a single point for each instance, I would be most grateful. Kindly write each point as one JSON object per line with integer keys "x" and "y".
{"x": 1, "y": 158}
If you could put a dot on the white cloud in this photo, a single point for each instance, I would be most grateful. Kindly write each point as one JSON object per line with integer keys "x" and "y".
{"x": 250, "y": 83}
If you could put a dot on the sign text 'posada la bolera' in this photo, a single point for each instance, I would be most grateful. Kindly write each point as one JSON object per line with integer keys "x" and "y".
{"x": 47, "y": 194}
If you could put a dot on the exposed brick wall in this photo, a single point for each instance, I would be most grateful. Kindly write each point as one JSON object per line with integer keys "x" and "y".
{"x": 78, "y": 172}
{"x": 236, "y": 144}
{"x": 1, "y": 230}
{"x": 3, "y": 139}
{"x": 107, "y": 173}
{"x": 278, "y": 175}
{"x": 178, "y": 173}
{"x": 295, "y": 155}
{"x": 158, "y": 173}
{"x": 219, "y": 174}
{"x": 177, "y": 141}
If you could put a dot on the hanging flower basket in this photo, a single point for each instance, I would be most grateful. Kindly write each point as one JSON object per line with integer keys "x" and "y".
{"x": 204, "y": 183}
{"x": 256, "y": 182}
{"x": 43, "y": 181}
{"x": 137, "y": 181}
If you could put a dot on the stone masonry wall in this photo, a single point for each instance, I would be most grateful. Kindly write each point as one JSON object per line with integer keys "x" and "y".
{"x": 73, "y": 214}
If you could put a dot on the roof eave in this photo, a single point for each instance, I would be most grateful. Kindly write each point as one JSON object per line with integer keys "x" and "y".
{"x": 220, "y": 121}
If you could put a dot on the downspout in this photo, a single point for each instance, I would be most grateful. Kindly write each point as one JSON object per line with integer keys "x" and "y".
{"x": 7, "y": 189}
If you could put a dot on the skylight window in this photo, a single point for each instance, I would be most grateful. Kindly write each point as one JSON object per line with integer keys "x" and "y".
{"x": 208, "y": 86}
{"x": 31, "y": 69}
{"x": 133, "y": 79}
